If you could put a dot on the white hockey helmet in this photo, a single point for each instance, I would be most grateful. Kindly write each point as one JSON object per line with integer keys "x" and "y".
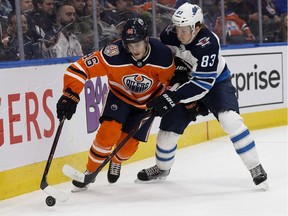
{"x": 188, "y": 15}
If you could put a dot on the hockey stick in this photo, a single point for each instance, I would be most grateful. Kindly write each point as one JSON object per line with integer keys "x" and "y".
{"x": 58, "y": 195}
{"x": 88, "y": 178}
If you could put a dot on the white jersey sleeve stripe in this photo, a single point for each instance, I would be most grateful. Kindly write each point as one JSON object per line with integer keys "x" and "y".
{"x": 202, "y": 84}
{"x": 75, "y": 76}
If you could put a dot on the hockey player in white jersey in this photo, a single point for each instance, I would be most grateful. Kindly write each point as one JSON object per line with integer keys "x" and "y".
{"x": 210, "y": 84}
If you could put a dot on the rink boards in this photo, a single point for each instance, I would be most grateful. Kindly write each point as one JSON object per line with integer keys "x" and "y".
{"x": 28, "y": 121}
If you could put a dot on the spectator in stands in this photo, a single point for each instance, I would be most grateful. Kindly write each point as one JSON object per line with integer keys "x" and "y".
{"x": 178, "y": 3}
{"x": 271, "y": 21}
{"x": 283, "y": 35}
{"x": 34, "y": 31}
{"x": 3, "y": 31}
{"x": 3, "y": 26}
{"x": 78, "y": 6}
{"x": 5, "y": 7}
{"x": 84, "y": 24}
{"x": 164, "y": 11}
{"x": 88, "y": 8}
{"x": 44, "y": 14}
{"x": 268, "y": 8}
{"x": 248, "y": 11}
{"x": 84, "y": 30}
{"x": 122, "y": 11}
{"x": 84, "y": 27}
{"x": 10, "y": 52}
{"x": 237, "y": 30}
{"x": 61, "y": 40}
{"x": 167, "y": 3}
{"x": 26, "y": 5}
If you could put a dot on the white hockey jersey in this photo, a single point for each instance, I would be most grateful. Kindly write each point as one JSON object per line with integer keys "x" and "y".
{"x": 203, "y": 55}
{"x": 65, "y": 47}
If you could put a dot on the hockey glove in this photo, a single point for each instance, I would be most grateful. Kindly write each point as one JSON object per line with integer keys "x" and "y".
{"x": 67, "y": 104}
{"x": 196, "y": 108}
{"x": 163, "y": 103}
{"x": 181, "y": 74}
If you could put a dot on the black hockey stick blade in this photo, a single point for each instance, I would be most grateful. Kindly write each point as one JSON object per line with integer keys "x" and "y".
{"x": 74, "y": 174}
{"x": 57, "y": 194}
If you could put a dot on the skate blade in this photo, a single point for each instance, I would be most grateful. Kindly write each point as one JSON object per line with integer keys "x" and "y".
{"x": 77, "y": 189}
{"x": 263, "y": 186}
{"x": 138, "y": 181}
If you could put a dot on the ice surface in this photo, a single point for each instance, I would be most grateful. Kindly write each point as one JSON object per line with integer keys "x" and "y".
{"x": 207, "y": 179}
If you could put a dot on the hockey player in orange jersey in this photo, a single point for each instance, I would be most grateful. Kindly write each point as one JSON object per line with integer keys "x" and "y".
{"x": 138, "y": 69}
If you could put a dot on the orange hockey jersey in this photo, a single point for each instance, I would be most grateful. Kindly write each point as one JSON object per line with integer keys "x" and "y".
{"x": 235, "y": 26}
{"x": 135, "y": 82}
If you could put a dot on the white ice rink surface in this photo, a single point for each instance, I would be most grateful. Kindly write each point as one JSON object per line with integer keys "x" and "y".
{"x": 207, "y": 179}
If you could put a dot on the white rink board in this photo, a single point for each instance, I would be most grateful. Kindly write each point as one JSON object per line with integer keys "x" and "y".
{"x": 261, "y": 86}
{"x": 29, "y": 95}
{"x": 260, "y": 77}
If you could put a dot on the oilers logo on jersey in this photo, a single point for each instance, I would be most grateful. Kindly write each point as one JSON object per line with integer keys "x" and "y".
{"x": 137, "y": 83}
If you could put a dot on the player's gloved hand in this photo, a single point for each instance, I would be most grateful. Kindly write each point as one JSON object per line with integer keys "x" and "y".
{"x": 67, "y": 104}
{"x": 163, "y": 103}
{"x": 181, "y": 74}
{"x": 196, "y": 108}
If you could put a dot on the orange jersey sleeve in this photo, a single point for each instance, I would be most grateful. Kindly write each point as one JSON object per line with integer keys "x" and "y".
{"x": 85, "y": 68}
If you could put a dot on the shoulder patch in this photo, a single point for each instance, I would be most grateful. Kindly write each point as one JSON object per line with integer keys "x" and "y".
{"x": 203, "y": 41}
{"x": 111, "y": 50}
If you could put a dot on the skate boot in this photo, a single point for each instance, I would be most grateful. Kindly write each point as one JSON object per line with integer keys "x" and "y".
{"x": 259, "y": 177}
{"x": 80, "y": 186}
{"x": 152, "y": 174}
{"x": 113, "y": 173}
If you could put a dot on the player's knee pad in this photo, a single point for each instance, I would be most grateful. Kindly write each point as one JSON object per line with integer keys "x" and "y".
{"x": 108, "y": 133}
{"x": 127, "y": 150}
{"x": 231, "y": 122}
{"x": 167, "y": 140}
{"x": 166, "y": 148}
{"x": 242, "y": 140}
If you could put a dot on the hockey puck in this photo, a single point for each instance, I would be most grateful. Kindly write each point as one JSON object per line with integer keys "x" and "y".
{"x": 50, "y": 201}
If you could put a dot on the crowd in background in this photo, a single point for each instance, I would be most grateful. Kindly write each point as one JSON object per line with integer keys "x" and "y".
{"x": 53, "y": 29}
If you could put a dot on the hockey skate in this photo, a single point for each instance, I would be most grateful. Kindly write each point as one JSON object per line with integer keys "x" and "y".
{"x": 79, "y": 186}
{"x": 152, "y": 174}
{"x": 113, "y": 173}
{"x": 259, "y": 177}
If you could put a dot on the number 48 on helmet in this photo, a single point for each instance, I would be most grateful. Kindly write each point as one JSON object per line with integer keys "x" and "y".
{"x": 134, "y": 30}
